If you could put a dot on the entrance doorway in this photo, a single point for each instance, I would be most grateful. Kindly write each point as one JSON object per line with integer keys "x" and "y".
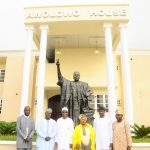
{"x": 54, "y": 103}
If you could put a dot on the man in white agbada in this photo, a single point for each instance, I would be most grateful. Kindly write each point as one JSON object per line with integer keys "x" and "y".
{"x": 64, "y": 131}
{"x": 46, "y": 132}
{"x": 103, "y": 130}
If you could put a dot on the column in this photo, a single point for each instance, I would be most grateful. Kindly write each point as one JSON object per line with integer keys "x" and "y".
{"x": 26, "y": 68}
{"x": 41, "y": 73}
{"x": 127, "y": 88}
{"x": 112, "y": 102}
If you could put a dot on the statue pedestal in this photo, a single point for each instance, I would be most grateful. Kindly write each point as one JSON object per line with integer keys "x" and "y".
{"x": 90, "y": 114}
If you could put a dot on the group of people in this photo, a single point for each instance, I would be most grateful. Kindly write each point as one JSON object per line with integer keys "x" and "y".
{"x": 62, "y": 135}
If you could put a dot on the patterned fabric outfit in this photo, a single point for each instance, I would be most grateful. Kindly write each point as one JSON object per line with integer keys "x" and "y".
{"x": 121, "y": 136}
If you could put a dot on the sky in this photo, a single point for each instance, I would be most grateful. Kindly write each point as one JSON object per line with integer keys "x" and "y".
{"x": 12, "y": 29}
{"x": 139, "y": 24}
{"x": 12, "y": 33}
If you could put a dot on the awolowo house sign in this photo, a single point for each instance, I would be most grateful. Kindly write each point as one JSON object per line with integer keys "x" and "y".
{"x": 72, "y": 13}
{"x": 76, "y": 13}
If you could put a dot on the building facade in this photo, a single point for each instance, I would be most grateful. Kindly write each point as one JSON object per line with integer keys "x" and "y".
{"x": 91, "y": 39}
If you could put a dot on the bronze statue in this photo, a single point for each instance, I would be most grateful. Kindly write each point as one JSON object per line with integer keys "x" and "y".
{"x": 75, "y": 95}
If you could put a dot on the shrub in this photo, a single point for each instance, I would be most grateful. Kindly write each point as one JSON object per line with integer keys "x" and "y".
{"x": 140, "y": 131}
{"x": 7, "y": 128}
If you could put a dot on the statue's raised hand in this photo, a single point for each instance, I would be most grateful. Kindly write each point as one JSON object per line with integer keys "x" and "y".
{"x": 57, "y": 62}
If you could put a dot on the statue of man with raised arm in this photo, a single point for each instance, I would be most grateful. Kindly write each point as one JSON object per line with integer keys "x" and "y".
{"x": 74, "y": 94}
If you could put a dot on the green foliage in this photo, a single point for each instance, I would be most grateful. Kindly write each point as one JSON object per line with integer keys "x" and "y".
{"x": 7, "y": 128}
{"x": 141, "y": 140}
{"x": 7, "y": 137}
{"x": 140, "y": 131}
{"x": 13, "y": 138}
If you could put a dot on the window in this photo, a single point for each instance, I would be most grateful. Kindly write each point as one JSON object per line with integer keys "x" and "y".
{"x": 2, "y": 75}
{"x": 99, "y": 99}
{"x": 0, "y": 105}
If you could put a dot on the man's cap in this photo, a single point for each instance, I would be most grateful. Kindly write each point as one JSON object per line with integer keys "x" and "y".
{"x": 49, "y": 110}
{"x": 64, "y": 109}
{"x": 119, "y": 111}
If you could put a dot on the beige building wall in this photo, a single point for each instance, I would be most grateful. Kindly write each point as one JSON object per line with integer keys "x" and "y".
{"x": 13, "y": 87}
{"x": 1, "y": 89}
{"x": 140, "y": 75}
{"x": 93, "y": 71}
{"x": 140, "y": 87}
{"x": 2, "y": 66}
{"x": 92, "y": 67}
